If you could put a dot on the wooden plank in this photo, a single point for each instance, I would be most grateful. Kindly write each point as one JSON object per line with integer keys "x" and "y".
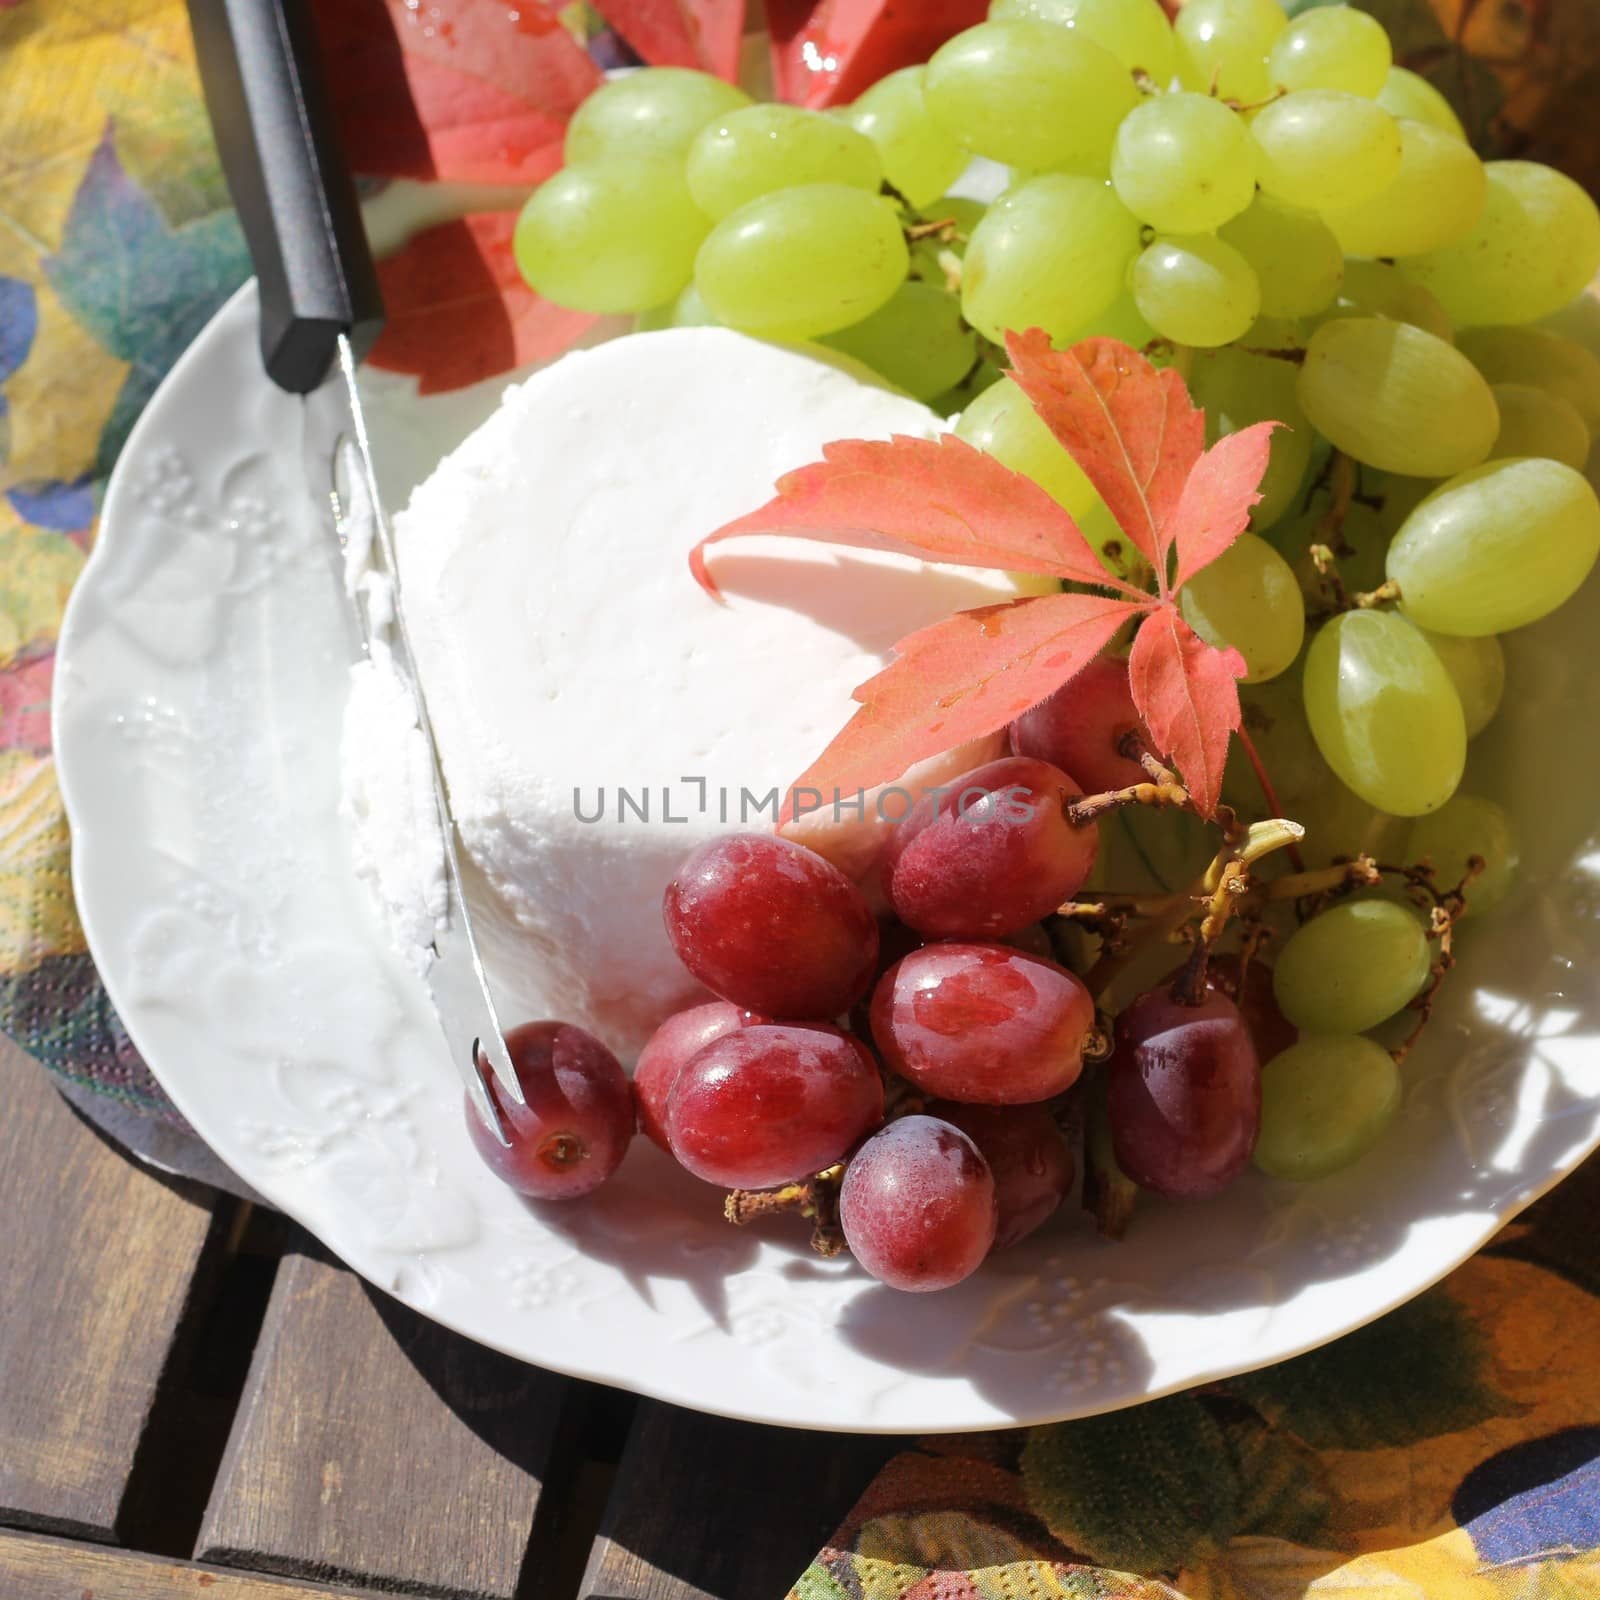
{"x": 707, "y": 1509}
{"x": 98, "y": 1256}
{"x": 56, "y": 1569}
{"x": 375, "y": 1447}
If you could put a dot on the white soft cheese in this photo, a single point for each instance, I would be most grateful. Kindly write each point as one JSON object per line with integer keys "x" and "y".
{"x": 572, "y": 665}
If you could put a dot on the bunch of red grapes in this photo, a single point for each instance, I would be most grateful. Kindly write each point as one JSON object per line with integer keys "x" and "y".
{"x": 972, "y": 1034}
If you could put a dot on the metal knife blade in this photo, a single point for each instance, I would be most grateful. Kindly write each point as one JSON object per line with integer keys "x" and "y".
{"x": 338, "y": 454}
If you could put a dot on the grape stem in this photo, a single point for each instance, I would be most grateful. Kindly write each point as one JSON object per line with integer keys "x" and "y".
{"x": 1385, "y": 593}
{"x": 1362, "y": 872}
{"x": 1289, "y": 353}
{"x": 1164, "y": 792}
{"x": 1242, "y": 106}
{"x": 1109, "y": 1194}
{"x": 1224, "y": 886}
{"x": 1328, "y": 542}
{"x": 816, "y": 1198}
{"x": 1112, "y": 906}
{"x": 1449, "y": 906}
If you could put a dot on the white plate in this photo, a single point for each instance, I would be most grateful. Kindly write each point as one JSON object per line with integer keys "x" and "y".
{"x": 199, "y": 689}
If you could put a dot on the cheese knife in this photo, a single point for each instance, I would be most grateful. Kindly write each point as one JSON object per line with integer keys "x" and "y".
{"x": 320, "y": 310}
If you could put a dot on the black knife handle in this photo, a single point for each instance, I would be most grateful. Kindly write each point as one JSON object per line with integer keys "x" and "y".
{"x": 296, "y": 202}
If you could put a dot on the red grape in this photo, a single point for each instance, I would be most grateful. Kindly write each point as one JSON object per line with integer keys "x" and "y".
{"x": 672, "y": 1044}
{"x": 1272, "y": 1032}
{"x": 575, "y": 1128}
{"x": 1034, "y": 939}
{"x": 918, "y": 1205}
{"x": 773, "y": 1102}
{"x": 1079, "y": 726}
{"x": 982, "y": 1022}
{"x": 1030, "y": 1160}
{"x": 772, "y": 927}
{"x": 895, "y": 940}
{"x": 1184, "y": 1094}
{"x": 989, "y": 855}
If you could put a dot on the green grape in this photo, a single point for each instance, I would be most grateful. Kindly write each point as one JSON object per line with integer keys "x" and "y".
{"x": 1358, "y": 547}
{"x": 1395, "y": 397}
{"x": 1194, "y": 289}
{"x": 1396, "y": 496}
{"x": 1293, "y": 253}
{"x": 1322, "y": 149}
{"x": 610, "y": 235}
{"x": 1030, "y": 94}
{"x": 687, "y": 311}
{"x": 1237, "y": 390}
{"x": 1378, "y": 289}
{"x": 1223, "y": 45}
{"x": 919, "y": 158}
{"x": 916, "y": 339}
{"x": 1496, "y": 547}
{"x": 1337, "y": 822}
{"x": 1384, "y": 712}
{"x": 1548, "y": 361}
{"x": 1404, "y": 94}
{"x": 1325, "y": 1102}
{"x": 1340, "y": 825}
{"x": 1577, "y": 321}
{"x": 1434, "y": 199}
{"x": 1277, "y": 333}
{"x": 1122, "y": 322}
{"x": 956, "y": 400}
{"x": 802, "y": 262}
{"x": 1477, "y": 668}
{"x": 1534, "y": 422}
{"x": 1110, "y": 543}
{"x": 1248, "y": 598}
{"x": 1184, "y": 163}
{"x": 1003, "y": 423}
{"x": 649, "y": 115}
{"x": 1273, "y": 716}
{"x": 1467, "y": 826}
{"x": 1534, "y": 247}
{"x": 1332, "y": 47}
{"x": 928, "y": 254}
{"x": 750, "y": 152}
{"x": 1136, "y": 32}
{"x": 1350, "y": 967}
{"x": 1052, "y": 253}
{"x": 1139, "y": 846}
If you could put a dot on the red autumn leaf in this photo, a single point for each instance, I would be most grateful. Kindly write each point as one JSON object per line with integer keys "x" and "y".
{"x": 25, "y": 703}
{"x": 1131, "y": 427}
{"x": 1186, "y": 693}
{"x": 960, "y": 679}
{"x": 936, "y": 498}
{"x": 477, "y": 91}
{"x": 1214, "y": 508}
{"x": 825, "y": 52}
{"x": 458, "y": 310}
{"x": 1141, "y": 441}
{"x": 681, "y": 33}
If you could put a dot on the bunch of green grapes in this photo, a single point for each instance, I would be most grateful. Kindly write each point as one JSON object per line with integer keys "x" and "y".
{"x": 1299, "y": 225}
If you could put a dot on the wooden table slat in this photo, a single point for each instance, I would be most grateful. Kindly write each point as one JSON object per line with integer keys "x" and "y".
{"x": 373, "y": 1446}
{"x": 707, "y": 1509}
{"x": 40, "y": 1568}
{"x": 98, "y": 1258}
